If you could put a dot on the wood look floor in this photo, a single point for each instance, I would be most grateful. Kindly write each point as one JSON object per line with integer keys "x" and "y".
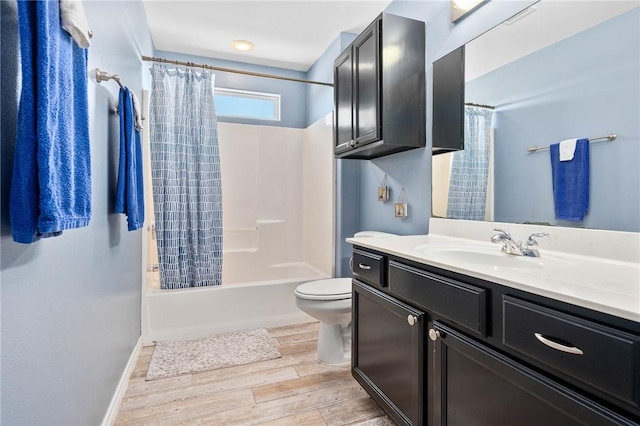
{"x": 293, "y": 390}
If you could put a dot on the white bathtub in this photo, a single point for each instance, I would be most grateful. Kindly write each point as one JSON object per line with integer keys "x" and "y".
{"x": 203, "y": 311}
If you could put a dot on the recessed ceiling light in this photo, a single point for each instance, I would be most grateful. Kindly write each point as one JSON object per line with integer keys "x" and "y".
{"x": 243, "y": 45}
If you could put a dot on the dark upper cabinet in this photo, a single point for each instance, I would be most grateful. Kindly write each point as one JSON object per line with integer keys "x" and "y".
{"x": 448, "y": 103}
{"x": 379, "y": 91}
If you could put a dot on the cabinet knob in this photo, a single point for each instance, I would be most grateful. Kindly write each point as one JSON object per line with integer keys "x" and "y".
{"x": 412, "y": 319}
{"x": 434, "y": 334}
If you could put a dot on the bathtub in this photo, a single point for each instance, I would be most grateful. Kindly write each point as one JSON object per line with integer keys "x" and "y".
{"x": 204, "y": 311}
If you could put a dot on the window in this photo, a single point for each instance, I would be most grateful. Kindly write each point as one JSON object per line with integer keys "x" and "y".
{"x": 245, "y": 104}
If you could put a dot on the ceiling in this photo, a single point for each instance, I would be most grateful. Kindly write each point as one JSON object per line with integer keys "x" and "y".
{"x": 542, "y": 25}
{"x": 287, "y": 34}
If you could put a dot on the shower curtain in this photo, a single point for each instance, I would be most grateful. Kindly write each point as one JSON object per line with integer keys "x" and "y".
{"x": 185, "y": 167}
{"x": 470, "y": 167}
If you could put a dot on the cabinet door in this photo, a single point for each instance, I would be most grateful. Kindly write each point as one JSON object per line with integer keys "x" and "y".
{"x": 366, "y": 64}
{"x": 343, "y": 93}
{"x": 474, "y": 385}
{"x": 448, "y": 103}
{"x": 387, "y": 353}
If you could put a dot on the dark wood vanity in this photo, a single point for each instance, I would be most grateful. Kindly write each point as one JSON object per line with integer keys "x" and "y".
{"x": 436, "y": 347}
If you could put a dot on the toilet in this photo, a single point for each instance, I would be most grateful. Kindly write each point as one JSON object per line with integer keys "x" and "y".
{"x": 329, "y": 301}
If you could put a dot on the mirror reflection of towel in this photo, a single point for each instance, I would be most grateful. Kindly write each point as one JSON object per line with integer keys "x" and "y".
{"x": 571, "y": 182}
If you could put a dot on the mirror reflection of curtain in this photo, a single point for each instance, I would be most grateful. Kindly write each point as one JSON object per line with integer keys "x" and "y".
{"x": 470, "y": 168}
{"x": 185, "y": 166}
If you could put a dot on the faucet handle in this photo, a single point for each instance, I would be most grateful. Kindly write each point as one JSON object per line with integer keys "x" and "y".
{"x": 503, "y": 232}
{"x": 531, "y": 241}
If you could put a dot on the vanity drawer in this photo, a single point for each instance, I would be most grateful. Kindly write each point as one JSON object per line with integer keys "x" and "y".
{"x": 602, "y": 357}
{"x": 462, "y": 303}
{"x": 369, "y": 267}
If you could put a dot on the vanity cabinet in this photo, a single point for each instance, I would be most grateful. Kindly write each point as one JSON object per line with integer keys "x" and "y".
{"x": 387, "y": 353}
{"x": 379, "y": 90}
{"x": 492, "y": 354}
{"x": 476, "y": 385}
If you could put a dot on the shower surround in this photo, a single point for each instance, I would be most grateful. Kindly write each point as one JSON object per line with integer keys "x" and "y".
{"x": 278, "y": 198}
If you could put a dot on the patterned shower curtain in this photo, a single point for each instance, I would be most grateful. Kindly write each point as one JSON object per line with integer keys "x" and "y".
{"x": 470, "y": 167}
{"x": 185, "y": 163}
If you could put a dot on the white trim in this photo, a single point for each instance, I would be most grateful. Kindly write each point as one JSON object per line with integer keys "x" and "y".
{"x": 114, "y": 406}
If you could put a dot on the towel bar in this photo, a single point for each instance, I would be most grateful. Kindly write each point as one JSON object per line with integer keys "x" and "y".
{"x": 105, "y": 76}
{"x": 609, "y": 137}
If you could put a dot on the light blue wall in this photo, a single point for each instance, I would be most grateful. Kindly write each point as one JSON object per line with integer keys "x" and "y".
{"x": 412, "y": 169}
{"x": 587, "y": 85}
{"x": 71, "y": 304}
{"x": 347, "y": 171}
{"x": 320, "y": 98}
{"x": 293, "y": 94}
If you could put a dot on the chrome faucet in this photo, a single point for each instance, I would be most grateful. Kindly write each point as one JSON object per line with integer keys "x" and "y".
{"x": 519, "y": 248}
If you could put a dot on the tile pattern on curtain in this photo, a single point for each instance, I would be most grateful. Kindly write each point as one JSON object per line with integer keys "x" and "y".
{"x": 470, "y": 167}
{"x": 187, "y": 189}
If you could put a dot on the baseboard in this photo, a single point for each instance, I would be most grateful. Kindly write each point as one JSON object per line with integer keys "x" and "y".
{"x": 114, "y": 406}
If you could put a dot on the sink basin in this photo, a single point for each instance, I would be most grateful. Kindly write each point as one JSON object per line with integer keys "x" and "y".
{"x": 489, "y": 256}
{"x": 553, "y": 271}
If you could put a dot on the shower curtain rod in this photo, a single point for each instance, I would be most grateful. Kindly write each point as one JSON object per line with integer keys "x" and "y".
{"x": 231, "y": 70}
{"x": 479, "y": 105}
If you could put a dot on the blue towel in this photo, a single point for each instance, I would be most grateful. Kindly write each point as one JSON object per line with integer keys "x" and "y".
{"x": 571, "y": 182}
{"x": 129, "y": 192}
{"x": 51, "y": 182}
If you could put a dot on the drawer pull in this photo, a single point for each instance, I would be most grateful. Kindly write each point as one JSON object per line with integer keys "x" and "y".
{"x": 558, "y": 346}
{"x": 412, "y": 320}
{"x": 363, "y": 266}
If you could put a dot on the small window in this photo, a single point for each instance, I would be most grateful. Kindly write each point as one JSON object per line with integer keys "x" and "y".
{"x": 245, "y": 104}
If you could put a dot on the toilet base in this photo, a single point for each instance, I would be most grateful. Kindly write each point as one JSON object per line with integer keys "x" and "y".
{"x": 334, "y": 343}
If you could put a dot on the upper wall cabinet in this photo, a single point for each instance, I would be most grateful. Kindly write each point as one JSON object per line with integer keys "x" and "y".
{"x": 379, "y": 90}
{"x": 448, "y": 103}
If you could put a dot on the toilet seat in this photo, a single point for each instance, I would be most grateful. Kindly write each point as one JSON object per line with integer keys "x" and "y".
{"x": 329, "y": 289}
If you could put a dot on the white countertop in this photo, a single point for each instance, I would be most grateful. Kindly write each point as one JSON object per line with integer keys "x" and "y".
{"x": 602, "y": 284}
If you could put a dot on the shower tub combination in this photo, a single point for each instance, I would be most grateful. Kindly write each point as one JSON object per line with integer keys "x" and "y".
{"x": 257, "y": 291}
{"x": 264, "y": 260}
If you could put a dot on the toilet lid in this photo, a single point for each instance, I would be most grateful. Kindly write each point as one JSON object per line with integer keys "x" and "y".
{"x": 331, "y": 289}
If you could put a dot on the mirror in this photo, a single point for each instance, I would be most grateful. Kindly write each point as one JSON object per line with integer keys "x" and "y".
{"x": 556, "y": 71}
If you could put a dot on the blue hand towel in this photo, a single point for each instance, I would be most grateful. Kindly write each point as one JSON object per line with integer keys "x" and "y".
{"x": 129, "y": 191}
{"x": 51, "y": 182}
{"x": 571, "y": 182}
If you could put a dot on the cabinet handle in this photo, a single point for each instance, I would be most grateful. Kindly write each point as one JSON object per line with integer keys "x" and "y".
{"x": 558, "y": 346}
{"x": 434, "y": 334}
{"x": 363, "y": 266}
{"x": 412, "y": 320}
